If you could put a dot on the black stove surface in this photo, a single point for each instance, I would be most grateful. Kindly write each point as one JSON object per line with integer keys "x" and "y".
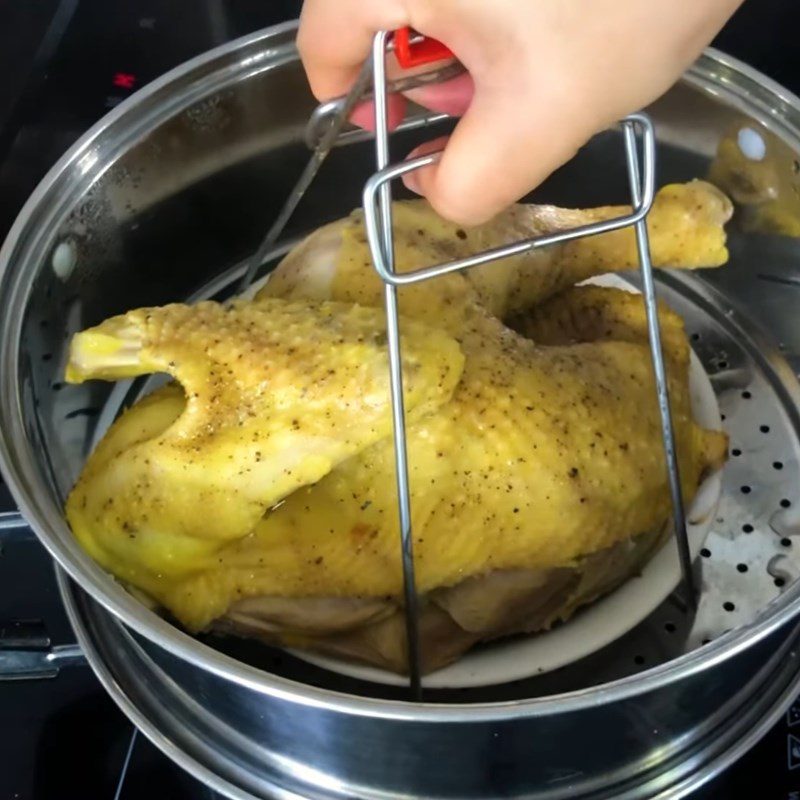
{"x": 64, "y": 63}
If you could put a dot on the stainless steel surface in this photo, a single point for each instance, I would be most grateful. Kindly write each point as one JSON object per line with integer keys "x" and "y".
{"x": 10, "y": 523}
{"x": 33, "y": 664}
{"x": 165, "y": 199}
{"x": 321, "y": 150}
{"x": 26, "y": 652}
{"x": 206, "y": 724}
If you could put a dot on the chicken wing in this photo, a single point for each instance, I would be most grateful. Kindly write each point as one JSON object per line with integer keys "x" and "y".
{"x": 277, "y": 394}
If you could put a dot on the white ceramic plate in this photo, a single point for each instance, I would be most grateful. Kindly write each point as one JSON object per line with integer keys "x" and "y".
{"x": 596, "y": 625}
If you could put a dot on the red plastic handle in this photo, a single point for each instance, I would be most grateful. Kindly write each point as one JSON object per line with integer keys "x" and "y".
{"x": 413, "y": 55}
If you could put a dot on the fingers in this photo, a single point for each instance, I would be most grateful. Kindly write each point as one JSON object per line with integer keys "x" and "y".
{"x": 364, "y": 113}
{"x": 412, "y": 179}
{"x": 451, "y": 97}
{"x": 548, "y": 74}
{"x": 510, "y": 139}
{"x": 335, "y": 38}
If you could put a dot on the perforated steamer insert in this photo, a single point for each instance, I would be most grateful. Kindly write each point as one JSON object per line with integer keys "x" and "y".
{"x": 98, "y": 236}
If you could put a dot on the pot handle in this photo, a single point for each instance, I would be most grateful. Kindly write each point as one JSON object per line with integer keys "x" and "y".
{"x": 26, "y": 653}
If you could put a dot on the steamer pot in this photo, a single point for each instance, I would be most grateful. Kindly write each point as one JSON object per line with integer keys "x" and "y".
{"x": 162, "y": 201}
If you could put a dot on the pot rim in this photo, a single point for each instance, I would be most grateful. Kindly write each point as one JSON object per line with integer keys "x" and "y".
{"x": 753, "y": 88}
{"x": 83, "y": 612}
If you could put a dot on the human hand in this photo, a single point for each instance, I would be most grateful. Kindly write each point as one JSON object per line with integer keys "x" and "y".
{"x": 543, "y": 77}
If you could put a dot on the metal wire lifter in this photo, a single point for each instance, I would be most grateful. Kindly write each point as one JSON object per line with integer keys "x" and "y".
{"x": 324, "y": 131}
{"x": 377, "y": 200}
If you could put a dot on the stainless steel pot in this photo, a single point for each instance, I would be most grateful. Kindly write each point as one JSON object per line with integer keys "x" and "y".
{"x": 163, "y": 200}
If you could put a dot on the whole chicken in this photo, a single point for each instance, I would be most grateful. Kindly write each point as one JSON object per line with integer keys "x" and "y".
{"x": 534, "y": 441}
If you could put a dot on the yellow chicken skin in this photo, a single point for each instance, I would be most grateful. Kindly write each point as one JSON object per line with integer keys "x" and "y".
{"x": 685, "y": 225}
{"x": 277, "y": 394}
{"x": 545, "y": 454}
